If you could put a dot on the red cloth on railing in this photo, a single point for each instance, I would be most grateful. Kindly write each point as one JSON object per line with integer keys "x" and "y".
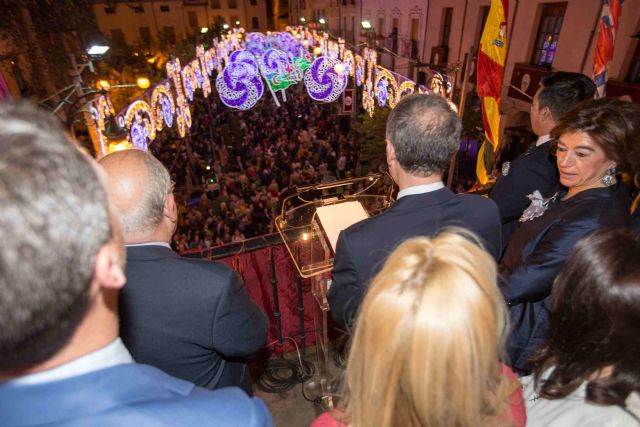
{"x": 255, "y": 269}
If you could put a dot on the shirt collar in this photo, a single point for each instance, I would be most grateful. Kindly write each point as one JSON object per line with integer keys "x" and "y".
{"x": 165, "y": 244}
{"x": 420, "y": 189}
{"x": 113, "y": 354}
{"x": 543, "y": 139}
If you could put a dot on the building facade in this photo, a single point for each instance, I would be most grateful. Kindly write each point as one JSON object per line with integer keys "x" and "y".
{"x": 171, "y": 21}
{"x": 543, "y": 36}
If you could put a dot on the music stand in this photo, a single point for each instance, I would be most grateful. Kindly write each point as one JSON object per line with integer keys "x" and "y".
{"x": 309, "y": 224}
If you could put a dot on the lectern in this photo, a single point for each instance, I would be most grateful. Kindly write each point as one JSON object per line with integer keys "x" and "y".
{"x": 309, "y": 224}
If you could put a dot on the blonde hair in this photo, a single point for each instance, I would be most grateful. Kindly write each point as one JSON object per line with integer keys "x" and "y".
{"x": 428, "y": 337}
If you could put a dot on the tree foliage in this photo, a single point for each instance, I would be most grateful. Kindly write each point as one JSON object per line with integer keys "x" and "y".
{"x": 46, "y": 32}
{"x": 371, "y": 133}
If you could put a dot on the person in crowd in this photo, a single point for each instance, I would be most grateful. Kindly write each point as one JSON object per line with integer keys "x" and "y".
{"x": 587, "y": 374}
{"x": 191, "y": 318}
{"x": 535, "y": 169}
{"x": 423, "y": 132}
{"x": 427, "y": 342}
{"x": 250, "y": 167}
{"x": 62, "y": 261}
{"x": 596, "y": 141}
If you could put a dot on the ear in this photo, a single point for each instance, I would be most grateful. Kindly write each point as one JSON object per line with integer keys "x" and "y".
{"x": 109, "y": 271}
{"x": 391, "y": 151}
{"x": 545, "y": 112}
{"x": 170, "y": 210}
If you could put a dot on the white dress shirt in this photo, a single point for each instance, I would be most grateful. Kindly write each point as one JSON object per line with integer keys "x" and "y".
{"x": 543, "y": 140}
{"x": 165, "y": 244}
{"x": 111, "y": 355}
{"x": 420, "y": 189}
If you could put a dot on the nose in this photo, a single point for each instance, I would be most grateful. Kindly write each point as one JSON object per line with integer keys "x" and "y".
{"x": 564, "y": 159}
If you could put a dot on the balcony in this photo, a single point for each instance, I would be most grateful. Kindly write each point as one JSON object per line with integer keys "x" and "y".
{"x": 524, "y": 81}
{"x": 617, "y": 89}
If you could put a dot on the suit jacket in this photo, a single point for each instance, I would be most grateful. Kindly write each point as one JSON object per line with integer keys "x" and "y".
{"x": 127, "y": 395}
{"x": 532, "y": 170}
{"x": 362, "y": 248}
{"x": 189, "y": 317}
{"x": 536, "y": 254}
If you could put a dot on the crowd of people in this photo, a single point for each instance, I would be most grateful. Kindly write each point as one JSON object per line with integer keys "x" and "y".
{"x": 234, "y": 167}
{"x": 451, "y": 323}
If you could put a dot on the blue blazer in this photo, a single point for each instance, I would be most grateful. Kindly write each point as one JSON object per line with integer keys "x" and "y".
{"x": 189, "y": 317}
{"x": 536, "y": 254}
{"x": 530, "y": 171}
{"x": 363, "y": 247}
{"x": 127, "y": 395}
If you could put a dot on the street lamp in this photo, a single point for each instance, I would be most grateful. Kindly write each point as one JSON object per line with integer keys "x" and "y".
{"x": 97, "y": 50}
{"x": 104, "y": 84}
{"x": 322, "y": 21}
{"x": 225, "y": 26}
{"x": 237, "y": 22}
{"x": 367, "y": 27}
{"x": 303, "y": 19}
{"x": 204, "y": 30}
{"x": 143, "y": 83}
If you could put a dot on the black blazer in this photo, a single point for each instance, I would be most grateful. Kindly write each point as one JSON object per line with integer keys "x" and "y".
{"x": 188, "y": 317}
{"x": 363, "y": 247}
{"x": 532, "y": 170}
{"x": 536, "y": 254}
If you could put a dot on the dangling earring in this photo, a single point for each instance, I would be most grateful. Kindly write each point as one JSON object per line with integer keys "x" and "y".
{"x": 609, "y": 177}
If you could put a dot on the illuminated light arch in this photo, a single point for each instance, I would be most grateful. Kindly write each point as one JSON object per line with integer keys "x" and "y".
{"x": 368, "y": 102}
{"x": 386, "y": 87}
{"x": 183, "y": 114}
{"x": 202, "y": 73}
{"x": 101, "y": 109}
{"x": 162, "y": 106}
{"x": 169, "y": 105}
{"x": 140, "y": 122}
{"x": 406, "y": 88}
{"x": 189, "y": 81}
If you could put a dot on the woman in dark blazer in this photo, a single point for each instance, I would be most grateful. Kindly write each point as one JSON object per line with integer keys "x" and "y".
{"x": 595, "y": 141}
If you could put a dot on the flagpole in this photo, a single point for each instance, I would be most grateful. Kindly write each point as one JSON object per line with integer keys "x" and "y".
{"x": 593, "y": 33}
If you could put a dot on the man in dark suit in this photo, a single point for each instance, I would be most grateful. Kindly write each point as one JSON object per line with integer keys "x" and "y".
{"x": 62, "y": 262}
{"x": 423, "y": 132}
{"x": 191, "y": 318}
{"x": 534, "y": 169}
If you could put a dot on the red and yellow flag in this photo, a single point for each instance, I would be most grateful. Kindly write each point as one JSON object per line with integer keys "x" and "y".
{"x": 491, "y": 56}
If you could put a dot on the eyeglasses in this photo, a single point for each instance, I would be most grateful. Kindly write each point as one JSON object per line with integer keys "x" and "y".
{"x": 172, "y": 186}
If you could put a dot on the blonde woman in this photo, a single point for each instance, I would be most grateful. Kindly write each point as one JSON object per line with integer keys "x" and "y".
{"x": 427, "y": 341}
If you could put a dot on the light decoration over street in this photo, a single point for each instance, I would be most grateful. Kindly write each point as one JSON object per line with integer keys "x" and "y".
{"x": 241, "y": 65}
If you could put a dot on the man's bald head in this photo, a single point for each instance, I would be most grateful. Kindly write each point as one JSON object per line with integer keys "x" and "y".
{"x": 138, "y": 185}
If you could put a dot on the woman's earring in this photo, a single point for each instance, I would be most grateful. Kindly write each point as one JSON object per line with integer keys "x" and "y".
{"x": 609, "y": 177}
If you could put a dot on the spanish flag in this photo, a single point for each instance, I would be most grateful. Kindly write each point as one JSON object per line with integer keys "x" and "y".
{"x": 491, "y": 56}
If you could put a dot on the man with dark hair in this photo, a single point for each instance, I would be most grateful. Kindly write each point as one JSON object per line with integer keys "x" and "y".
{"x": 61, "y": 266}
{"x": 423, "y": 132}
{"x": 191, "y": 318}
{"x": 534, "y": 170}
